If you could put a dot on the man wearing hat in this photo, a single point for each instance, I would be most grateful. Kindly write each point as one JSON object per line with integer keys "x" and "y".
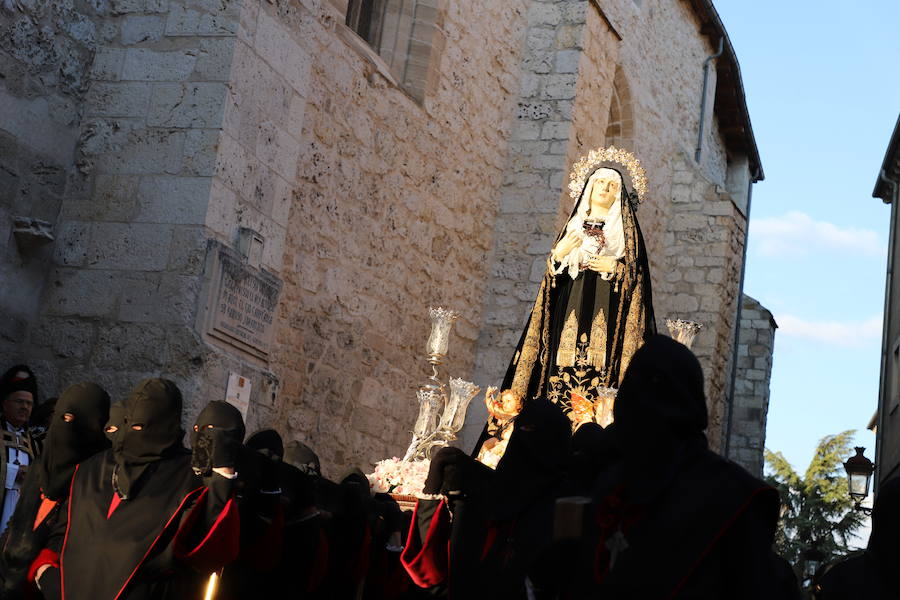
{"x": 18, "y": 392}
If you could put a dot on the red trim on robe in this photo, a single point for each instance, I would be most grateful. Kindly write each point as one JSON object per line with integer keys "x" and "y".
{"x": 62, "y": 581}
{"x": 717, "y": 537}
{"x": 113, "y": 505}
{"x": 221, "y": 543}
{"x": 46, "y": 507}
{"x": 427, "y": 561}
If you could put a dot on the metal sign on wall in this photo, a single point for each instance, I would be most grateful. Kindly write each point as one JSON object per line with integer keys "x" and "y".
{"x": 241, "y": 304}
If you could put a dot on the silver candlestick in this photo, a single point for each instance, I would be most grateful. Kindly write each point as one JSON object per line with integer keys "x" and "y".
{"x": 442, "y": 320}
{"x": 683, "y": 331}
{"x": 461, "y": 394}
{"x": 431, "y": 403}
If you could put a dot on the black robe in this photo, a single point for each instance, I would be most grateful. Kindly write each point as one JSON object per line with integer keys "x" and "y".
{"x": 163, "y": 542}
{"x": 75, "y": 433}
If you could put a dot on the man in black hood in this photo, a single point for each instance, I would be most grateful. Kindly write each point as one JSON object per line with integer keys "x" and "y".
{"x": 685, "y": 522}
{"x": 141, "y": 524}
{"x": 870, "y": 574}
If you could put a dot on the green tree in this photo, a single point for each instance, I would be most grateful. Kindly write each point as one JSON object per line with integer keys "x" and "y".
{"x": 818, "y": 520}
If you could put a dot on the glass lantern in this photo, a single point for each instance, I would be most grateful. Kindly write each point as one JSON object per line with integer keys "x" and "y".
{"x": 859, "y": 474}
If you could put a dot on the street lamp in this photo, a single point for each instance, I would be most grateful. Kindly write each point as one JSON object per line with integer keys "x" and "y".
{"x": 859, "y": 476}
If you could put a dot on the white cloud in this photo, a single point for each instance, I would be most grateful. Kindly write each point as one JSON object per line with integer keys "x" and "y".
{"x": 796, "y": 233}
{"x": 846, "y": 334}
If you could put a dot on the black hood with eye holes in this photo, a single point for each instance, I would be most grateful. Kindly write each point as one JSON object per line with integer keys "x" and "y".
{"x": 155, "y": 408}
{"x": 71, "y": 441}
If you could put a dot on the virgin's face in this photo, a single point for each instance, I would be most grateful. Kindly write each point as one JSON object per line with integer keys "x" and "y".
{"x": 605, "y": 192}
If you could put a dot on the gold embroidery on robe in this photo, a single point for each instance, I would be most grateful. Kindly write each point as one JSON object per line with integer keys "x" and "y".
{"x": 596, "y": 354}
{"x": 568, "y": 340}
{"x": 529, "y": 353}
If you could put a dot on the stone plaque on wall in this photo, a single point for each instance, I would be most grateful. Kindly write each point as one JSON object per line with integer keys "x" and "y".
{"x": 242, "y": 303}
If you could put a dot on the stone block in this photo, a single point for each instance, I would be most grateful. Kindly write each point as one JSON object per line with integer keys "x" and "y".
{"x": 141, "y": 345}
{"x": 81, "y": 292}
{"x": 685, "y": 304}
{"x": 173, "y": 199}
{"x": 540, "y": 38}
{"x": 123, "y": 99}
{"x": 683, "y": 176}
{"x": 569, "y": 37}
{"x": 277, "y": 149}
{"x": 544, "y": 14}
{"x": 187, "y": 105}
{"x": 151, "y": 151}
{"x": 724, "y": 209}
{"x": 188, "y": 251}
{"x": 755, "y": 375}
{"x": 567, "y": 61}
{"x": 130, "y": 246}
{"x": 526, "y": 130}
{"x": 574, "y": 12}
{"x": 277, "y": 46}
{"x": 136, "y": 29}
{"x": 560, "y": 87}
{"x": 681, "y": 193}
{"x": 534, "y": 110}
{"x": 191, "y": 19}
{"x": 200, "y": 147}
{"x": 163, "y": 300}
{"x": 142, "y": 64}
{"x": 214, "y": 59}
{"x": 63, "y": 338}
{"x": 72, "y": 239}
{"x": 553, "y": 130}
{"x": 530, "y": 86}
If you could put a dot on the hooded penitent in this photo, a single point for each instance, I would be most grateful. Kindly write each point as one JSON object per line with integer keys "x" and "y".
{"x": 219, "y": 426}
{"x": 683, "y": 509}
{"x": 151, "y": 431}
{"x": 75, "y": 434}
{"x": 138, "y": 515}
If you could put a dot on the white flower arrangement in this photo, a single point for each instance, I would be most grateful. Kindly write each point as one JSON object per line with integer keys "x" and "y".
{"x": 395, "y": 476}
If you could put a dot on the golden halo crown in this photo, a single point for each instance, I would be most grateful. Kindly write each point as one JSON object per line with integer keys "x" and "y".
{"x": 589, "y": 163}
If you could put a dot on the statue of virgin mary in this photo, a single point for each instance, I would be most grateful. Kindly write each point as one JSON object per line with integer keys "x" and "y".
{"x": 594, "y": 307}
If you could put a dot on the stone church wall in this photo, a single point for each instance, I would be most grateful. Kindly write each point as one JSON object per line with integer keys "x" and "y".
{"x": 268, "y": 134}
{"x": 756, "y": 343}
{"x": 393, "y": 211}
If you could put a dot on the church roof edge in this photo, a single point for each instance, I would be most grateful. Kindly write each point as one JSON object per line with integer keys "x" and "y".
{"x": 731, "y": 102}
{"x": 890, "y": 167}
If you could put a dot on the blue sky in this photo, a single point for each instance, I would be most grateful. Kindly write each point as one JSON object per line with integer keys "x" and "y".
{"x": 823, "y": 91}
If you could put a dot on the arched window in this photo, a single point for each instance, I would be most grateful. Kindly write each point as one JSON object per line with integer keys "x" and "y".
{"x": 401, "y": 32}
{"x": 620, "y": 128}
